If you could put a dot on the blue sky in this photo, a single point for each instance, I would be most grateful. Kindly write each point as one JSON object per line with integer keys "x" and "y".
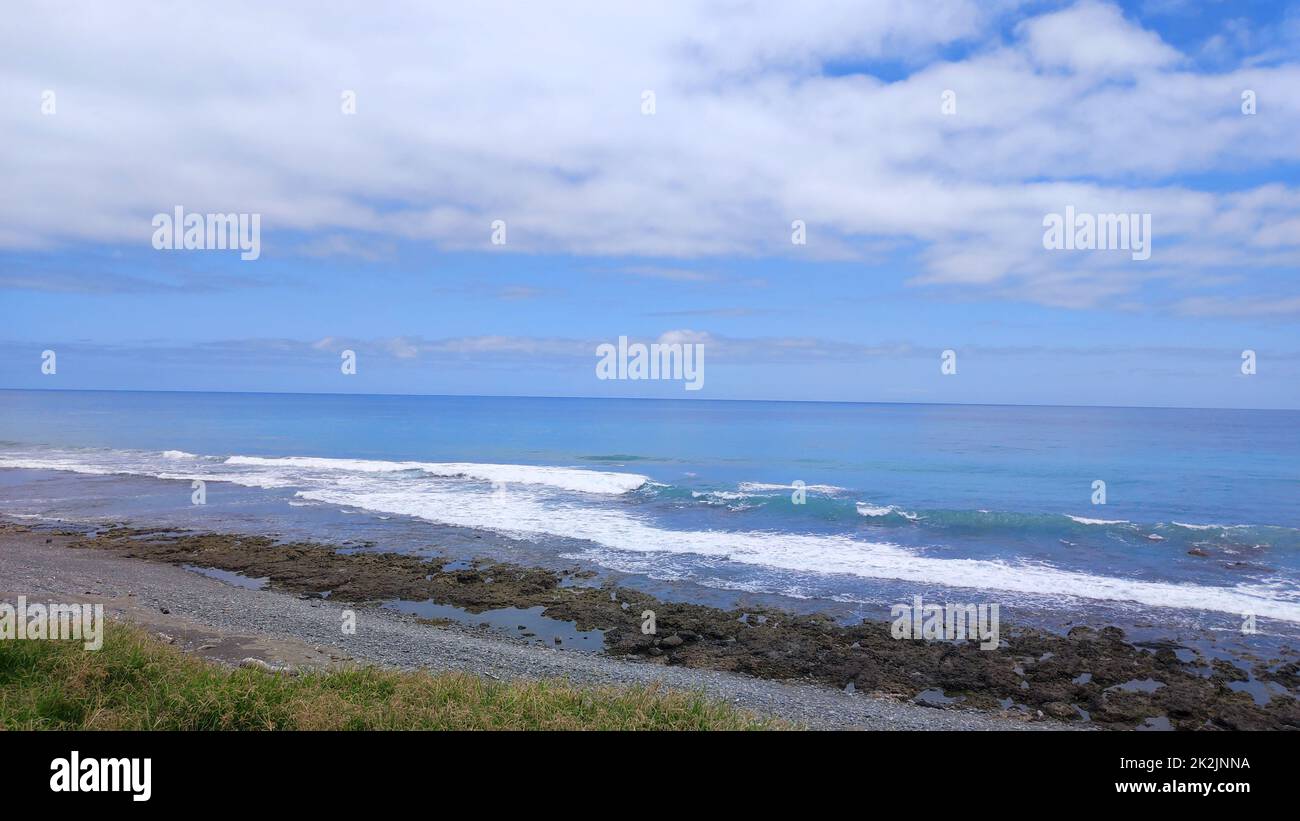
{"x": 924, "y": 228}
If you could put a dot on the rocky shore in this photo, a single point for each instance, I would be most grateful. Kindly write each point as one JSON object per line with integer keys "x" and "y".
{"x": 805, "y": 668}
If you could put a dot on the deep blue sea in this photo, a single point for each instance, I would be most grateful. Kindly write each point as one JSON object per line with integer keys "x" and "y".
{"x": 1200, "y": 525}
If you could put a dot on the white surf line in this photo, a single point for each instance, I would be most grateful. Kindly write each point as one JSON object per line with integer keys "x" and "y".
{"x": 516, "y": 514}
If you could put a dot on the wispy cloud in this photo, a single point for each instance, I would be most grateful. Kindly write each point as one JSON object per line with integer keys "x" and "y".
{"x": 716, "y": 312}
{"x": 94, "y": 280}
{"x": 1257, "y": 307}
{"x": 669, "y": 273}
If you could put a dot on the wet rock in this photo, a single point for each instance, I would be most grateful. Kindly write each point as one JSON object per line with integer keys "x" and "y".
{"x": 258, "y": 664}
{"x": 1288, "y": 675}
{"x": 933, "y": 698}
{"x": 1228, "y": 671}
{"x": 770, "y": 644}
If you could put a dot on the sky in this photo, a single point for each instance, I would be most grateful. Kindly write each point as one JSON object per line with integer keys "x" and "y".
{"x": 650, "y": 165}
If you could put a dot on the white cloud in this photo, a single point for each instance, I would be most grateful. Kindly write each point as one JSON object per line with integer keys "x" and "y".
{"x": 1094, "y": 37}
{"x": 468, "y": 113}
{"x": 685, "y": 335}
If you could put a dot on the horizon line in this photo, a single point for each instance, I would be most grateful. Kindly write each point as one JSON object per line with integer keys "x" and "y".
{"x": 652, "y": 399}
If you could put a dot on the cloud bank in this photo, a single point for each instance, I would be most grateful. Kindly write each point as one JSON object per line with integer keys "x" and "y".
{"x": 469, "y": 113}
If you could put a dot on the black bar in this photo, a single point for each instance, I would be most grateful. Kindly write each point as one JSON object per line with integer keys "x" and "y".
{"x": 301, "y": 770}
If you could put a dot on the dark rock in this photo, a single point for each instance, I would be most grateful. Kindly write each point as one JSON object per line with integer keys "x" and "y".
{"x": 774, "y": 645}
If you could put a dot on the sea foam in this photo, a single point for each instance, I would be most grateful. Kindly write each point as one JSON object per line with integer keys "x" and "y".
{"x": 575, "y": 479}
{"x": 521, "y": 515}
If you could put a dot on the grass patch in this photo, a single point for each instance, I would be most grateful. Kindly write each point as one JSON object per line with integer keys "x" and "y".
{"x": 137, "y": 682}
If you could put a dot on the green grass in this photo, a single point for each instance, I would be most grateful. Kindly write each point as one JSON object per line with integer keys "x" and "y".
{"x": 137, "y": 682}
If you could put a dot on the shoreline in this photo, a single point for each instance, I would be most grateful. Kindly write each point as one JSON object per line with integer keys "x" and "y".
{"x": 1035, "y": 678}
{"x": 213, "y": 620}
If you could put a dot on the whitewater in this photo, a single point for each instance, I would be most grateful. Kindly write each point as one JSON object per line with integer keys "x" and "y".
{"x": 616, "y": 511}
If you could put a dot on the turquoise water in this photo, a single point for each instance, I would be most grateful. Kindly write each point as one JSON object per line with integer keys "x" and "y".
{"x": 1201, "y": 519}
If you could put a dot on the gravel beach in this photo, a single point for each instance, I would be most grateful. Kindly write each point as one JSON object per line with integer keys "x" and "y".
{"x": 227, "y": 623}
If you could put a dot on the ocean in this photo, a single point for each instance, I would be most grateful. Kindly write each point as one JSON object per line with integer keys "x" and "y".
{"x": 846, "y": 508}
